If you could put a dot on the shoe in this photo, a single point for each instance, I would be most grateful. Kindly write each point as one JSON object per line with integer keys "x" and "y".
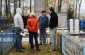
{"x": 19, "y": 50}
{"x": 50, "y": 43}
{"x": 40, "y": 44}
{"x": 23, "y": 48}
{"x": 38, "y": 49}
{"x": 54, "y": 50}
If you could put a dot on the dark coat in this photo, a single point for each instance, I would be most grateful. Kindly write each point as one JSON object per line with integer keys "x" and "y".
{"x": 25, "y": 18}
{"x": 53, "y": 20}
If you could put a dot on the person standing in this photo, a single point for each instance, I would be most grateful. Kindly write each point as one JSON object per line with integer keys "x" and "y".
{"x": 53, "y": 28}
{"x": 33, "y": 25}
{"x": 43, "y": 24}
{"x": 25, "y": 18}
{"x": 19, "y": 26}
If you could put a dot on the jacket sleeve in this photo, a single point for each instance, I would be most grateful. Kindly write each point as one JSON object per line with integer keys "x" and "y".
{"x": 53, "y": 21}
{"x": 27, "y": 23}
{"x": 37, "y": 26}
{"x": 20, "y": 22}
{"x": 47, "y": 22}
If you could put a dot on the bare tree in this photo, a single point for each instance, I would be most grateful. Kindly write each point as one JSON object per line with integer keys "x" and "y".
{"x": 77, "y": 9}
{"x": 19, "y": 3}
{"x": 80, "y": 2}
{"x": 0, "y": 8}
{"x": 59, "y": 5}
{"x": 15, "y": 6}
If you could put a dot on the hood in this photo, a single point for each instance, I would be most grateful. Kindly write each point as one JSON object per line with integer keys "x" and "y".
{"x": 18, "y": 11}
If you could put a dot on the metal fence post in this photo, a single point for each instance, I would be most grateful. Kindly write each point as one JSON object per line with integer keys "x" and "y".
{"x": 1, "y": 42}
{"x": 62, "y": 40}
{"x": 84, "y": 48}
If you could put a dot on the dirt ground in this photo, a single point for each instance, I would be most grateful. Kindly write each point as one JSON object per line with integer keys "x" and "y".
{"x": 27, "y": 51}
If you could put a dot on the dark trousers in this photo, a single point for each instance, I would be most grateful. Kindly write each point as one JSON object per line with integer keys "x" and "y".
{"x": 31, "y": 36}
{"x": 42, "y": 36}
{"x": 18, "y": 43}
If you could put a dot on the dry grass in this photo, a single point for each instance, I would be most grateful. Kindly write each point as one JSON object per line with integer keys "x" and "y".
{"x": 27, "y": 51}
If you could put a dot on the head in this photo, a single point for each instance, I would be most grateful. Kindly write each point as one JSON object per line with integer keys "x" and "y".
{"x": 43, "y": 13}
{"x": 32, "y": 14}
{"x": 19, "y": 11}
{"x": 26, "y": 13}
{"x": 51, "y": 10}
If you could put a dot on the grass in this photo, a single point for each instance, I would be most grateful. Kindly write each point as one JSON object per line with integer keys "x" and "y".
{"x": 27, "y": 51}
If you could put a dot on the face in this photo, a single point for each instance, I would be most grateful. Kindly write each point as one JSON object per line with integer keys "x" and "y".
{"x": 49, "y": 12}
{"x": 43, "y": 14}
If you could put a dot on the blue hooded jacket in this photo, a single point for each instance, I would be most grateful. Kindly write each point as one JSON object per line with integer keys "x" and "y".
{"x": 43, "y": 22}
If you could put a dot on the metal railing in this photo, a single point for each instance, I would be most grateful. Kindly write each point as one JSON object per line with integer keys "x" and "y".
{"x": 5, "y": 23}
{"x": 71, "y": 47}
{"x": 7, "y": 40}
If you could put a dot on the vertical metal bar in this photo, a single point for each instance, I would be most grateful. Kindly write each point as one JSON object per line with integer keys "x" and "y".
{"x": 84, "y": 48}
{"x": 1, "y": 42}
{"x": 63, "y": 40}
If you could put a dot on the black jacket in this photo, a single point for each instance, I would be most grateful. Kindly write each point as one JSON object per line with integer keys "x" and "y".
{"x": 53, "y": 20}
{"x": 25, "y": 18}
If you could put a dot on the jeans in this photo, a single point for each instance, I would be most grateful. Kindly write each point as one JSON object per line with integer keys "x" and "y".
{"x": 31, "y": 36}
{"x": 42, "y": 36}
{"x": 18, "y": 43}
{"x": 53, "y": 38}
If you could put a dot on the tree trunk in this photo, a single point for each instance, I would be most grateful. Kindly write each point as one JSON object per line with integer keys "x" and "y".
{"x": 6, "y": 1}
{"x": 15, "y": 6}
{"x": 59, "y": 5}
{"x": 30, "y": 5}
{"x": 1, "y": 8}
{"x": 19, "y": 3}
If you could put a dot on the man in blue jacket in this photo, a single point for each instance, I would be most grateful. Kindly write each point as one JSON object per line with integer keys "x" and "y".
{"x": 43, "y": 24}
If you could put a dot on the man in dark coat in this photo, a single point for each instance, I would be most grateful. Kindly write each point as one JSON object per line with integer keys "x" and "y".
{"x": 53, "y": 28}
{"x": 25, "y": 18}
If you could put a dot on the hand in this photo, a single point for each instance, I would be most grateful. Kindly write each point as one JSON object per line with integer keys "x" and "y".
{"x": 46, "y": 28}
{"x": 22, "y": 31}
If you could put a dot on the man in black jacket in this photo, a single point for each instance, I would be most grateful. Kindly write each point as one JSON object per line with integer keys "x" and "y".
{"x": 25, "y": 18}
{"x": 53, "y": 28}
